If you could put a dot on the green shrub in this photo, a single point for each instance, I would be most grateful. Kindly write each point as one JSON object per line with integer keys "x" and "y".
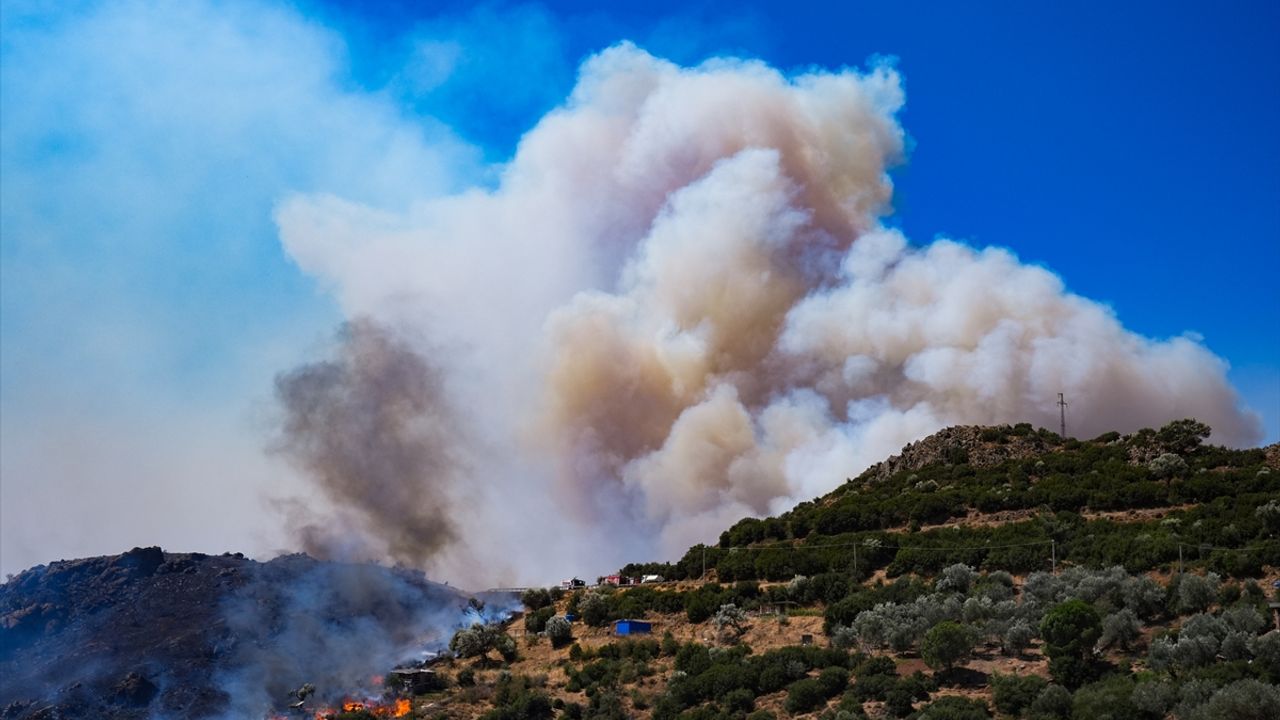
{"x": 594, "y": 609}
{"x": 1012, "y": 694}
{"x": 1053, "y": 702}
{"x": 605, "y": 705}
{"x": 741, "y": 700}
{"x": 874, "y": 687}
{"x": 955, "y": 708}
{"x": 1070, "y": 630}
{"x": 1105, "y": 700}
{"x": 702, "y": 603}
{"x": 1242, "y": 700}
{"x": 516, "y": 698}
{"x": 535, "y": 621}
{"x": 899, "y": 702}
{"x": 1154, "y": 699}
{"x": 946, "y": 644}
{"x": 833, "y": 680}
{"x": 669, "y": 645}
{"x": 804, "y": 696}
{"x": 536, "y": 598}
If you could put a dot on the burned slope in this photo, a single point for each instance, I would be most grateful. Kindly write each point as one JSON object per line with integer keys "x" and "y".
{"x": 189, "y": 635}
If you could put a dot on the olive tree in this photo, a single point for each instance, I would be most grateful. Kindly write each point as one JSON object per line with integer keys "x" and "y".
{"x": 1154, "y": 699}
{"x": 1196, "y": 593}
{"x": 1241, "y": 700}
{"x": 1266, "y": 655}
{"x": 843, "y": 638}
{"x": 1144, "y": 596}
{"x": 1167, "y": 466}
{"x": 731, "y": 622}
{"x": 477, "y": 640}
{"x": 594, "y": 609}
{"x": 1053, "y": 702}
{"x": 956, "y": 578}
{"x": 559, "y": 631}
{"x": 1017, "y": 637}
{"x": 1120, "y": 629}
{"x": 1269, "y": 514}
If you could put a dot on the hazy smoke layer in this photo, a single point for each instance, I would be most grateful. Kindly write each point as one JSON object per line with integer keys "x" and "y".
{"x": 332, "y": 625}
{"x": 678, "y": 306}
{"x": 372, "y": 429}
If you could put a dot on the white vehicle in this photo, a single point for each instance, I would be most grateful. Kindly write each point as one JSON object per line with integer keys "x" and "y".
{"x": 651, "y": 579}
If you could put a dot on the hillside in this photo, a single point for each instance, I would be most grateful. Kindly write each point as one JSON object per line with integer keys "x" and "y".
{"x": 982, "y": 572}
{"x": 1016, "y": 499}
{"x": 185, "y": 635}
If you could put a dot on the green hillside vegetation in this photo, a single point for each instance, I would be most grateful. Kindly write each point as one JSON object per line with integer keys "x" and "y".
{"x": 1230, "y": 528}
{"x": 986, "y": 572}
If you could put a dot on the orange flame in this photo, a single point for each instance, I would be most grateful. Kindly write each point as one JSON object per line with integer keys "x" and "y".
{"x": 400, "y": 708}
{"x": 396, "y": 709}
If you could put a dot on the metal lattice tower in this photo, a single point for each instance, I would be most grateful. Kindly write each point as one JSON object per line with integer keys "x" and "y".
{"x": 1062, "y": 416}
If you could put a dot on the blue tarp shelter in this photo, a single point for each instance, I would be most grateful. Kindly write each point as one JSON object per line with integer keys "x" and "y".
{"x": 632, "y": 627}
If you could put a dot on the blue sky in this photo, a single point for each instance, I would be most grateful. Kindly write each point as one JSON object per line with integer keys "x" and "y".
{"x": 1129, "y": 147}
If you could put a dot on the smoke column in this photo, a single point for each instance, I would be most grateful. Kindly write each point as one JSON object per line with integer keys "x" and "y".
{"x": 373, "y": 431}
{"x": 679, "y": 305}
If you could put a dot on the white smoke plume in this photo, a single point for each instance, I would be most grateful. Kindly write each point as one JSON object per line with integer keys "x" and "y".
{"x": 679, "y": 305}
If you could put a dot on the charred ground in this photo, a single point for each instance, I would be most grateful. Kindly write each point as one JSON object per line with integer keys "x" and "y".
{"x": 149, "y": 633}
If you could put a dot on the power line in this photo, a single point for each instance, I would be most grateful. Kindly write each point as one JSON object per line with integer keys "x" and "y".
{"x": 880, "y": 546}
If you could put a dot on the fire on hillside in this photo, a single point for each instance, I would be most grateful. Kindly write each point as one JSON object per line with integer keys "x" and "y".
{"x": 399, "y": 707}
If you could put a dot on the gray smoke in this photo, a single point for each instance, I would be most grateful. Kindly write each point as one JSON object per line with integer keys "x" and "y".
{"x": 370, "y": 427}
{"x": 681, "y": 304}
{"x": 333, "y": 625}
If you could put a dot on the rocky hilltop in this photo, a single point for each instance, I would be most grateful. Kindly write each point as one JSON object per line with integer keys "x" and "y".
{"x": 983, "y": 447}
{"x": 975, "y": 445}
{"x": 192, "y": 635}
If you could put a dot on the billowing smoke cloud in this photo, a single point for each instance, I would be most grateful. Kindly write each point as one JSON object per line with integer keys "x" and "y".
{"x": 679, "y": 305}
{"x": 373, "y": 430}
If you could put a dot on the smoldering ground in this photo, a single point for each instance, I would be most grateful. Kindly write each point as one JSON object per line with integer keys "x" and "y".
{"x": 155, "y": 635}
{"x": 333, "y": 625}
{"x": 680, "y": 305}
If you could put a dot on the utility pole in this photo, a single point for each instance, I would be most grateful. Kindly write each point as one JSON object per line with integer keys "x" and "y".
{"x": 704, "y": 563}
{"x": 1062, "y": 416}
{"x": 855, "y": 559}
{"x": 1053, "y": 556}
{"x": 1179, "y": 558}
